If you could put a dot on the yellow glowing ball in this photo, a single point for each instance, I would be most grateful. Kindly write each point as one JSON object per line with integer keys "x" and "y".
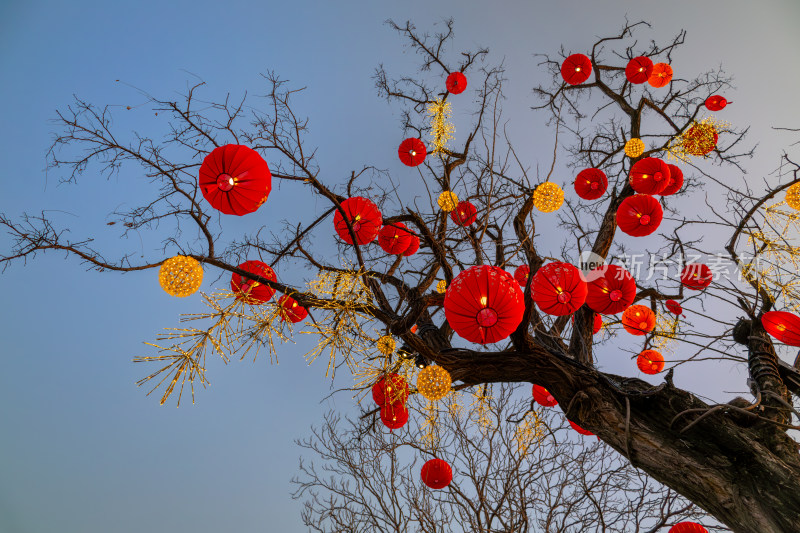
{"x": 793, "y": 196}
{"x": 441, "y": 287}
{"x": 634, "y": 148}
{"x": 386, "y": 345}
{"x": 448, "y": 201}
{"x": 180, "y": 276}
{"x": 548, "y": 197}
{"x": 434, "y": 382}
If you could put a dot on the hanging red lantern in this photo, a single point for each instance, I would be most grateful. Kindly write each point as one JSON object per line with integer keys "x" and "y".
{"x": 611, "y": 292}
{"x": 649, "y": 175}
{"x": 598, "y": 323}
{"x": 464, "y": 214}
{"x": 291, "y": 310}
{"x": 579, "y": 429}
{"x": 639, "y": 215}
{"x": 363, "y": 215}
{"x": 249, "y": 291}
{"x": 521, "y": 274}
{"x": 412, "y": 152}
{"x": 696, "y": 276}
{"x": 699, "y": 139}
{"x": 687, "y": 527}
{"x": 394, "y": 238}
{"x": 234, "y": 179}
{"x": 394, "y": 415}
{"x": 484, "y": 304}
{"x": 639, "y": 70}
{"x": 675, "y": 181}
{"x": 456, "y": 82}
{"x": 576, "y": 69}
{"x": 650, "y": 362}
{"x": 715, "y": 102}
{"x": 559, "y": 288}
{"x": 674, "y": 307}
{"x": 591, "y": 183}
{"x": 638, "y": 320}
{"x": 437, "y": 474}
{"x": 391, "y": 388}
{"x": 413, "y": 246}
{"x": 661, "y": 75}
{"x": 782, "y": 325}
{"x": 543, "y": 397}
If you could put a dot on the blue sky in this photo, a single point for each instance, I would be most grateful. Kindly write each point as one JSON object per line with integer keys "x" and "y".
{"x": 81, "y": 448}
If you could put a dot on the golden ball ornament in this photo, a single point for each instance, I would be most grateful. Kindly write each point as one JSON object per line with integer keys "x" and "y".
{"x": 434, "y": 382}
{"x": 548, "y": 197}
{"x": 634, "y": 147}
{"x": 441, "y": 287}
{"x": 180, "y": 276}
{"x": 448, "y": 201}
{"x": 793, "y": 196}
{"x": 386, "y": 345}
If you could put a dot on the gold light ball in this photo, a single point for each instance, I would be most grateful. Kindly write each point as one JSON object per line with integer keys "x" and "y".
{"x": 448, "y": 201}
{"x": 180, "y": 276}
{"x": 386, "y": 345}
{"x": 434, "y": 382}
{"x": 548, "y": 197}
{"x": 634, "y": 147}
{"x": 441, "y": 287}
{"x": 793, "y": 196}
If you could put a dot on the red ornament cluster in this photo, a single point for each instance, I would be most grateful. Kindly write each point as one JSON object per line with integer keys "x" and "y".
{"x": 675, "y": 181}
{"x": 391, "y": 393}
{"x": 649, "y": 176}
{"x": 234, "y": 179}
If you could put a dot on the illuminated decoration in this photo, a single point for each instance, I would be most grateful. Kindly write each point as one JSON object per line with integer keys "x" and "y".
{"x": 413, "y": 246}
{"x": 363, "y": 215}
{"x": 661, "y": 75}
{"x": 249, "y": 291}
{"x": 675, "y": 181}
{"x": 441, "y": 127}
{"x": 447, "y": 201}
{"x": 436, "y": 474}
{"x": 612, "y": 291}
{"x": 576, "y": 69}
{"x": 434, "y": 382}
{"x": 579, "y": 429}
{"x": 441, "y": 286}
{"x": 394, "y": 415}
{"x": 480, "y": 410}
{"x": 291, "y": 310}
{"x": 591, "y": 183}
{"x": 543, "y": 397}
{"x": 782, "y": 325}
{"x": 456, "y": 82}
{"x": 559, "y": 288}
{"x": 484, "y": 304}
{"x": 665, "y": 332}
{"x": 638, "y": 320}
{"x": 687, "y": 527}
{"x": 715, "y": 102}
{"x": 639, "y": 215}
{"x": 673, "y": 307}
{"x": 696, "y": 276}
{"x": 639, "y": 70}
{"x": 598, "y": 324}
{"x": 412, "y": 152}
{"x": 395, "y": 238}
{"x": 465, "y": 214}
{"x": 650, "y": 362}
{"x": 530, "y": 431}
{"x": 793, "y": 197}
{"x": 649, "y": 176}
{"x": 234, "y": 179}
{"x": 386, "y": 345}
{"x": 697, "y": 140}
{"x": 548, "y": 197}
{"x": 390, "y": 389}
{"x": 521, "y": 274}
{"x": 634, "y": 148}
{"x": 180, "y": 276}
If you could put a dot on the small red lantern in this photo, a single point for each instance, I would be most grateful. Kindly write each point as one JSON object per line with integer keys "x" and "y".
{"x": 464, "y": 214}
{"x": 782, "y": 325}
{"x": 395, "y": 238}
{"x": 579, "y": 429}
{"x": 716, "y": 102}
{"x": 521, "y": 274}
{"x": 675, "y": 181}
{"x": 696, "y": 276}
{"x": 649, "y": 175}
{"x": 639, "y": 215}
{"x": 638, "y": 320}
{"x": 639, "y": 70}
{"x": 650, "y": 362}
{"x": 413, "y": 247}
{"x": 591, "y": 183}
{"x": 687, "y": 527}
{"x": 456, "y": 82}
{"x": 598, "y": 324}
{"x": 559, "y": 288}
{"x": 576, "y": 69}
{"x": 674, "y": 307}
{"x": 412, "y": 152}
{"x": 235, "y": 179}
{"x": 543, "y": 397}
{"x": 391, "y": 388}
{"x": 394, "y": 415}
{"x": 249, "y": 291}
{"x": 661, "y": 75}
{"x": 363, "y": 216}
{"x": 291, "y": 310}
{"x": 611, "y": 292}
{"x": 437, "y": 474}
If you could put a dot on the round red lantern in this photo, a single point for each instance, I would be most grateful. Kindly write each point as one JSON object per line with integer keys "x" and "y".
{"x": 639, "y": 215}
{"x": 675, "y": 181}
{"x": 715, "y": 102}
{"x": 521, "y": 274}
{"x": 638, "y": 320}
{"x": 235, "y": 179}
{"x": 291, "y": 310}
{"x": 391, "y": 388}
{"x": 579, "y": 429}
{"x": 687, "y": 527}
{"x": 598, "y": 324}
{"x": 464, "y": 214}
{"x": 559, "y": 288}
{"x": 649, "y": 175}
{"x": 413, "y": 246}
{"x": 484, "y": 304}
{"x": 395, "y": 238}
{"x": 412, "y": 152}
{"x": 612, "y": 291}
{"x": 394, "y": 415}
{"x": 249, "y": 291}
{"x": 576, "y": 69}
{"x": 674, "y": 307}
{"x": 696, "y": 276}
{"x": 700, "y": 139}
{"x": 363, "y": 216}
{"x": 543, "y": 397}
{"x": 782, "y": 325}
{"x": 650, "y": 362}
{"x": 456, "y": 82}
{"x": 661, "y": 75}
{"x": 591, "y": 183}
{"x": 639, "y": 70}
{"x": 437, "y": 474}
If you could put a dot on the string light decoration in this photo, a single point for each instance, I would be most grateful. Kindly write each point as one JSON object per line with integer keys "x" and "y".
{"x": 665, "y": 332}
{"x": 441, "y": 286}
{"x": 180, "y": 276}
{"x": 447, "y": 201}
{"x": 634, "y": 148}
{"x": 433, "y": 382}
{"x": 480, "y": 410}
{"x": 697, "y": 140}
{"x": 441, "y": 128}
{"x": 530, "y": 431}
{"x": 548, "y": 197}
{"x": 386, "y": 345}
{"x": 792, "y": 198}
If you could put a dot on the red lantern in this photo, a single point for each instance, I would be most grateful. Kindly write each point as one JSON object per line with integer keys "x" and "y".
{"x": 782, "y": 325}
{"x": 639, "y": 215}
{"x": 464, "y": 214}
{"x": 649, "y": 175}
{"x": 716, "y": 102}
{"x": 612, "y": 292}
{"x": 363, "y": 216}
{"x": 591, "y": 183}
{"x": 598, "y": 324}
{"x": 687, "y": 527}
{"x": 639, "y": 70}
{"x": 638, "y": 320}
{"x": 412, "y": 152}
{"x": 249, "y": 291}
{"x": 559, "y": 288}
{"x": 437, "y": 474}
{"x": 696, "y": 276}
{"x": 674, "y": 307}
{"x": 579, "y": 429}
{"x": 235, "y": 179}
{"x": 521, "y": 274}
{"x": 484, "y": 304}
{"x": 391, "y": 388}
{"x": 543, "y": 397}
{"x": 394, "y": 415}
{"x": 675, "y": 181}
{"x": 700, "y": 139}
{"x": 413, "y": 247}
{"x": 576, "y": 69}
{"x": 456, "y": 82}
{"x": 650, "y": 362}
{"x": 661, "y": 75}
{"x": 395, "y": 238}
{"x": 291, "y": 310}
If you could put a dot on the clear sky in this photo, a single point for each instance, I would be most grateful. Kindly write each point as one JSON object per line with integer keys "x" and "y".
{"x": 82, "y": 450}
